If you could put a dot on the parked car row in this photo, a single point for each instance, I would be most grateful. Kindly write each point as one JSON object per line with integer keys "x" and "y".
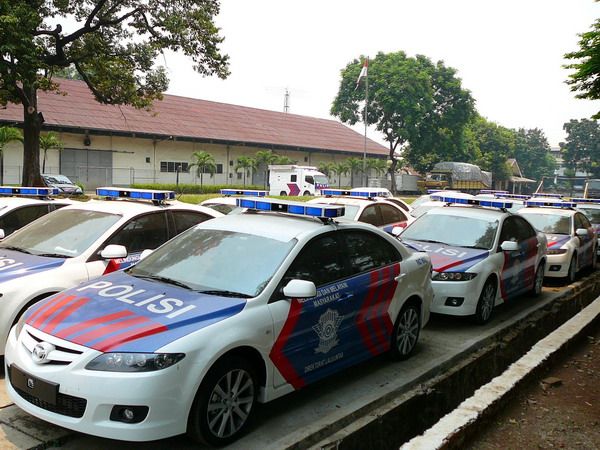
{"x": 245, "y": 307}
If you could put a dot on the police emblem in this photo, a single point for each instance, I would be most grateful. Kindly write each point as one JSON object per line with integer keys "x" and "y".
{"x": 326, "y": 329}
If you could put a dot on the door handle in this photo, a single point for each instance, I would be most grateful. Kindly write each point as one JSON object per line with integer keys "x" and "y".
{"x": 399, "y": 277}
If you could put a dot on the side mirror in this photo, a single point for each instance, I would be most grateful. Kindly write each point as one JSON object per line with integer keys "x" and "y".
{"x": 509, "y": 246}
{"x": 581, "y": 232}
{"x": 145, "y": 253}
{"x": 2, "y": 235}
{"x": 300, "y": 289}
{"x": 114, "y": 251}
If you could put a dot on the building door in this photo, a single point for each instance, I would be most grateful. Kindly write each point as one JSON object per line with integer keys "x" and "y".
{"x": 93, "y": 168}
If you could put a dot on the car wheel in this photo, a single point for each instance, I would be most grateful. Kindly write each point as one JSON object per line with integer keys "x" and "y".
{"x": 406, "y": 332}
{"x": 224, "y": 403}
{"x": 485, "y": 305}
{"x": 538, "y": 280}
{"x": 572, "y": 273}
{"x": 283, "y": 193}
{"x": 306, "y": 193}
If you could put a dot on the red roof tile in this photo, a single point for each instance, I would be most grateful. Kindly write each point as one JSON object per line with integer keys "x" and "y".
{"x": 192, "y": 118}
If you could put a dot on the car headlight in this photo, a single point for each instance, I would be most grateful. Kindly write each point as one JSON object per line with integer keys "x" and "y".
{"x": 134, "y": 362}
{"x": 454, "y": 276}
{"x": 557, "y": 251}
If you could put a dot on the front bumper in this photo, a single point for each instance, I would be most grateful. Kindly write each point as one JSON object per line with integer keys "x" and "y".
{"x": 92, "y": 395}
{"x": 557, "y": 266}
{"x": 465, "y": 294}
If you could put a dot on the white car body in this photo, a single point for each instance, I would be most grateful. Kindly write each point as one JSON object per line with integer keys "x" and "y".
{"x": 291, "y": 341}
{"x": 591, "y": 208}
{"x": 385, "y": 193}
{"x": 460, "y": 272}
{"x": 26, "y": 277}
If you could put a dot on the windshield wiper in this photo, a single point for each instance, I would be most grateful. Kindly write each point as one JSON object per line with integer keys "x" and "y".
{"x": 163, "y": 280}
{"x": 224, "y": 293}
{"x": 54, "y": 255}
{"x": 16, "y": 249}
{"x": 471, "y": 246}
{"x": 429, "y": 241}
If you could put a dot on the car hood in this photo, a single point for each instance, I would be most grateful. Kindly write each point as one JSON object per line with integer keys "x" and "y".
{"x": 557, "y": 240}
{"x": 447, "y": 258}
{"x": 15, "y": 264}
{"x": 122, "y": 313}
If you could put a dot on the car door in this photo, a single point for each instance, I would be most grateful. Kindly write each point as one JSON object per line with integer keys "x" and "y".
{"x": 587, "y": 242}
{"x": 392, "y": 217}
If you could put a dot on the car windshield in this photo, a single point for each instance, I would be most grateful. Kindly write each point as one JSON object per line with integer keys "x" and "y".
{"x": 63, "y": 233}
{"x": 216, "y": 261}
{"x": 550, "y": 223}
{"x": 592, "y": 213}
{"x": 320, "y": 179}
{"x": 62, "y": 179}
{"x": 453, "y": 230}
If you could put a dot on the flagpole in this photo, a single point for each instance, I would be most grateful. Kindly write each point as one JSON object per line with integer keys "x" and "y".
{"x": 365, "y": 119}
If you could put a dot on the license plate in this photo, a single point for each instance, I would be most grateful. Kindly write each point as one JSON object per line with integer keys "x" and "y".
{"x": 44, "y": 390}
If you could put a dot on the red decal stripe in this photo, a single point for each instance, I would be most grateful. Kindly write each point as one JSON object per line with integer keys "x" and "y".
{"x": 64, "y": 313}
{"x": 44, "y": 307}
{"x": 90, "y": 323}
{"x": 51, "y": 310}
{"x": 381, "y": 300}
{"x": 112, "y": 266}
{"x": 110, "y": 328}
{"x": 128, "y": 336}
{"x": 363, "y": 316}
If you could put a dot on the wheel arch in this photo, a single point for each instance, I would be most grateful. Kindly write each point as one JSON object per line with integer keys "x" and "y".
{"x": 253, "y": 356}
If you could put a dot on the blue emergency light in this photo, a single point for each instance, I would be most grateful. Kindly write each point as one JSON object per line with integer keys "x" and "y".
{"x": 297, "y": 208}
{"x": 249, "y": 193}
{"x": 586, "y": 200}
{"x": 340, "y": 192}
{"x": 514, "y": 196}
{"x": 434, "y": 191}
{"x": 136, "y": 194}
{"x": 542, "y": 194}
{"x": 492, "y": 191}
{"x": 551, "y": 204}
{"x": 472, "y": 201}
{"x": 28, "y": 191}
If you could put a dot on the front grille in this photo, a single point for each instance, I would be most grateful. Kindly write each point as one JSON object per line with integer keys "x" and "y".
{"x": 67, "y": 405}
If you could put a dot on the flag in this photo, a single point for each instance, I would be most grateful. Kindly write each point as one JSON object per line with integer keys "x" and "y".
{"x": 363, "y": 72}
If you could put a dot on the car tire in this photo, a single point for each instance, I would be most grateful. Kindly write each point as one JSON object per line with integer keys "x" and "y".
{"x": 306, "y": 194}
{"x": 283, "y": 194}
{"x": 218, "y": 420}
{"x": 538, "y": 281}
{"x": 406, "y": 332}
{"x": 485, "y": 305}
{"x": 572, "y": 273}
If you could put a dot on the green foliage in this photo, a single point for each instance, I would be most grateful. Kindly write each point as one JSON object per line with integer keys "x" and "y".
{"x": 355, "y": 165}
{"x": 203, "y": 162}
{"x": 581, "y": 151}
{"x": 47, "y": 142}
{"x": 263, "y": 159}
{"x": 532, "y": 153}
{"x": 245, "y": 164}
{"x": 9, "y": 134}
{"x": 282, "y": 159}
{"x": 586, "y": 78}
{"x": 192, "y": 188}
{"x": 328, "y": 168}
{"x": 113, "y": 46}
{"x": 340, "y": 169}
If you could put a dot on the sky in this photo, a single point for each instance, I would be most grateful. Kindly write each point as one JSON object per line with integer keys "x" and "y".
{"x": 508, "y": 54}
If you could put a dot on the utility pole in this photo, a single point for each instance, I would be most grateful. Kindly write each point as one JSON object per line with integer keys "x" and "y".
{"x": 286, "y": 101}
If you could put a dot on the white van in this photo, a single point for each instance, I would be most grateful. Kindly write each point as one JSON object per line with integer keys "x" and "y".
{"x": 294, "y": 180}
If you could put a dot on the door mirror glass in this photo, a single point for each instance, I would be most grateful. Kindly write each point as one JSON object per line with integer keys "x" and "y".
{"x": 300, "y": 289}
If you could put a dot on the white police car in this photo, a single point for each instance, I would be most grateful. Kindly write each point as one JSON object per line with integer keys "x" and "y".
{"x": 571, "y": 237}
{"x": 482, "y": 255}
{"x": 21, "y": 205}
{"x": 243, "y": 308}
{"x": 384, "y": 193}
{"x": 591, "y": 208}
{"x": 228, "y": 203}
{"x": 367, "y": 206}
{"x": 85, "y": 240}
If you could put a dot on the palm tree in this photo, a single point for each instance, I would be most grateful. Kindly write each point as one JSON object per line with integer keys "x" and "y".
{"x": 7, "y": 134}
{"x": 379, "y": 165}
{"x": 265, "y": 157}
{"x": 327, "y": 168}
{"x": 245, "y": 163}
{"x": 340, "y": 169}
{"x": 354, "y": 165}
{"x": 48, "y": 142}
{"x": 203, "y": 162}
{"x": 282, "y": 159}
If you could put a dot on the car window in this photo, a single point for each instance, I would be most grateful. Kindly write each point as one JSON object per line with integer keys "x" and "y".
{"x": 401, "y": 204}
{"x": 550, "y": 223}
{"x": 593, "y": 214}
{"x": 187, "y": 219}
{"x": 391, "y": 214}
{"x": 524, "y": 228}
{"x": 367, "y": 251}
{"x": 309, "y": 179}
{"x": 19, "y": 217}
{"x": 141, "y": 233}
{"x": 581, "y": 221}
{"x": 371, "y": 215}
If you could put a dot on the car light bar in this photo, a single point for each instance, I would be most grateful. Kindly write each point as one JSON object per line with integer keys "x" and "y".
{"x": 28, "y": 191}
{"x": 586, "y": 200}
{"x": 340, "y": 192}
{"x": 298, "y": 208}
{"x": 249, "y": 193}
{"x": 136, "y": 194}
{"x": 542, "y": 194}
{"x": 492, "y": 191}
{"x": 514, "y": 196}
{"x": 434, "y": 191}
{"x": 551, "y": 204}
{"x": 473, "y": 201}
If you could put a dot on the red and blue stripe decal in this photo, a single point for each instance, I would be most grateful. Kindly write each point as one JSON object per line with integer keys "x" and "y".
{"x": 446, "y": 258}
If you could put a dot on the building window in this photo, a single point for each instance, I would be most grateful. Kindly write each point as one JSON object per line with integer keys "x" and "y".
{"x": 239, "y": 175}
{"x": 171, "y": 166}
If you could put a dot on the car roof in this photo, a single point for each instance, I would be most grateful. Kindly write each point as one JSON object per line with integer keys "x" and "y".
{"x": 358, "y": 201}
{"x": 220, "y": 201}
{"x": 566, "y": 212}
{"x": 476, "y": 212}
{"x": 7, "y": 203}
{"x": 134, "y": 207}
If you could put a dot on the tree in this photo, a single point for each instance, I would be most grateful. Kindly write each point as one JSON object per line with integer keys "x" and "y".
{"x": 411, "y": 101}
{"x": 283, "y": 159}
{"x": 532, "y": 152}
{"x": 586, "y": 78}
{"x": 354, "y": 165}
{"x": 327, "y": 168}
{"x": 245, "y": 163}
{"x": 340, "y": 169}
{"x": 113, "y": 46}
{"x": 378, "y": 165}
{"x": 48, "y": 142}
{"x": 581, "y": 151}
{"x": 7, "y": 134}
{"x": 264, "y": 158}
{"x": 203, "y": 162}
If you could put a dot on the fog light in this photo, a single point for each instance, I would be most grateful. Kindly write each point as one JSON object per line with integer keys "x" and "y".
{"x": 554, "y": 268}
{"x": 454, "y": 301}
{"x": 128, "y": 414}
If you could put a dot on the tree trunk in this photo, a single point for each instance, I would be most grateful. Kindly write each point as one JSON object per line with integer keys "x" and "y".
{"x": 393, "y": 174}
{"x": 32, "y": 124}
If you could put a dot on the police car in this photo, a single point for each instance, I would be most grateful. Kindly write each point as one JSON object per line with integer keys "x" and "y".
{"x": 367, "y": 206}
{"x": 591, "y": 208}
{"x": 482, "y": 255}
{"x": 21, "y": 205}
{"x": 228, "y": 203}
{"x": 85, "y": 240}
{"x": 240, "y": 309}
{"x": 572, "y": 242}
{"x": 384, "y": 193}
